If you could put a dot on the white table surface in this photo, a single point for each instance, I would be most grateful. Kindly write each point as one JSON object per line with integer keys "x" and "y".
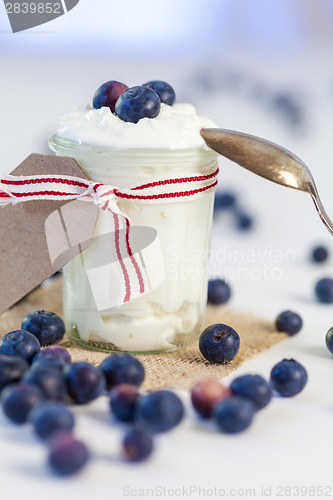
{"x": 289, "y": 443}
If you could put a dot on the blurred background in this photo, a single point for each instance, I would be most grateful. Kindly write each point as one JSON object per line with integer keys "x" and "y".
{"x": 264, "y": 68}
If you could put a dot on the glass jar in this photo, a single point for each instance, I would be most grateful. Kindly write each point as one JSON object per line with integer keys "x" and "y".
{"x": 170, "y": 315}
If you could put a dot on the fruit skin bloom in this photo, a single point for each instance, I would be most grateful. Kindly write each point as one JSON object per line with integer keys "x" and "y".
{"x": 319, "y": 254}
{"x": 219, "y": 343}
{"x": 159, "y": 411}
{"x": 47, "y": 326}
{"x": 218, "y": 292}
{"x": 20, "y": 343}
{"x": 50, "y": 418}
{"x": 12, "y": 369}
{"x": 107, "y": 94}
{"x": 50, "y": 382}
{"x": 137, "y": 445}
{"x": 67, "y": 455}
{"x": 234, "y": 414}
{"x": 289, "y": 322}
{"x": 122, "y": 368}
{"x": 206, "y": 394}
{"x": 254, "y": 388}
{"x": 85, "y": 382}
{"x": 136, "y": 103}
{"x": 164, "y": 91}
{"x": 288, "y": 377}
{"x": 324, "y": 290}
{"x": 54, "y": 352}
{"x": 18, "y": 400}
{"x": 123, "y": 402}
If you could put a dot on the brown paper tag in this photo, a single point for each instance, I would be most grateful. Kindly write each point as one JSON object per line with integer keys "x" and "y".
{"x": 39, "y": 237}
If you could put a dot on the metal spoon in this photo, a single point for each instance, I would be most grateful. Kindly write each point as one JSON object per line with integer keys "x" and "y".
{"x": 269, "y": 160}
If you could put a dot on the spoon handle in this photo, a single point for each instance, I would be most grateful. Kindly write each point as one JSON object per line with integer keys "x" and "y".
{"x": 320, "y": 209}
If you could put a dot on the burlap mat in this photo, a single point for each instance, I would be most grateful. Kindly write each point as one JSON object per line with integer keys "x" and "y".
{"x": 180, "y": 369}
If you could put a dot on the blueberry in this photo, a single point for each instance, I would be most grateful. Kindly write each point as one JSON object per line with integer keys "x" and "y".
{"x": 12, "y": 369}
{"x": 49, "y": 364}
{"x": 20, "y": 343}
{"x": 85, "y": 382}
{"x": 137, "y": 445}
{"x": 67, "y": 455}
{"x": 288, "y": 322}
{"x": 234, "y": 414}
{"x": 46, "y": 326}
{"x": 288, "y": 377}
{"x": 163, "y": 90}
{"x": 18, "y": 400}
{"x": 54, "y": 352}
{"x": 254, "y": 388}
{"x": 159, "y": 411}
{"x": 49, "y": 418}
{"x": 123, "y": 401}
{"x": 206, "y": 394}
{"x": 224, "y": 200}
{"x": 136, "y": 103}
{"x": 244, "y": 221}
{"x": 219, "y": 343}
{"x": 122, "y": 368}
{"x": 329, "y": 340}
{"x": 319, "y": 254}
{"x": 218, "y": 292}
{"x": 324, "y": 290}
{"x": 283, "y": 100}
{"x": 289, "y": 108}
{"x": 107, "y": 94}
{"x": 51, "y": 383}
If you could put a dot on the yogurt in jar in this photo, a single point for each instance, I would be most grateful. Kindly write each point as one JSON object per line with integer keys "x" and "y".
{"x": 120, "y": 153}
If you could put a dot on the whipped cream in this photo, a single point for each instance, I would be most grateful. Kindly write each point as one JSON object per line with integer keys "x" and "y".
{"x": 175, "y": 127}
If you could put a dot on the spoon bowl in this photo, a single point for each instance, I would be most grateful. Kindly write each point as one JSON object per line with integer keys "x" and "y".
{"x": 267, "y": 159}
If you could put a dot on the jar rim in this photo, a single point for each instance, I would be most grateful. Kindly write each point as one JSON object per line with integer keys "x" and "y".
{"x": 60, "y": 145}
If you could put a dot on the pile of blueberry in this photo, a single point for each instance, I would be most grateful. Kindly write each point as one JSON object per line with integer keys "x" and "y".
{"x": 233, "y": 408}
{"x": 38, "y": 386}
{"x": 134, "y": 103}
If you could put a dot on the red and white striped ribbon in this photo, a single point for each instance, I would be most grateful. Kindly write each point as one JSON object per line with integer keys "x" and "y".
{"x": 17, "y": 189}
